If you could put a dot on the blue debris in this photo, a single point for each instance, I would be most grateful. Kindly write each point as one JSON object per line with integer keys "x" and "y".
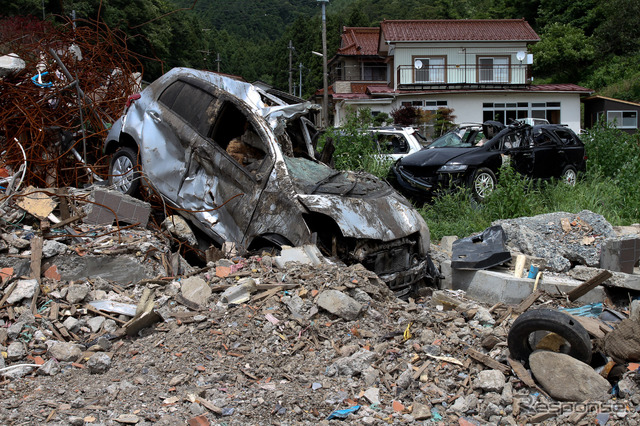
{"x": 593, "y": 310}
{"x": 342, "y": 414}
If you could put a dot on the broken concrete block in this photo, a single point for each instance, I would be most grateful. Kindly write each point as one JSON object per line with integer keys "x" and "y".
{"x": 353, "y": 365}
{"x": 16, "y": 351}
{"x": 195, "y": 290}
{"x": 239, "y": 293}
{"x": 126, "y": 208}
{"x": 620, "y": 255}
{"x": 77, "y": 292}
{"x": 65, "y": 352}
{"x": 339, "y": 304}
{"x": 25, "y": 289}
{"x": 490, "y": 381}
{"x": 49, "y": 368}
{"x": 52, "y": 248}
{"x": 307, "y": 254}
{"x": 568, "y": 379}
{"x": 99, "y": 363}
{"x": 180, "y": 229}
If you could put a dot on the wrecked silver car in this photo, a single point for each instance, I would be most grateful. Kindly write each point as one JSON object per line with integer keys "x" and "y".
{"x": 240, "y": 164}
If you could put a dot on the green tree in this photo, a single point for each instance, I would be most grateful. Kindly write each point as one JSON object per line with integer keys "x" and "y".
{"x": 562, "y": 54}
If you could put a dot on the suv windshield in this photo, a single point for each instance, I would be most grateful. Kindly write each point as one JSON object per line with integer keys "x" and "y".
{"x": 465, "y": 137}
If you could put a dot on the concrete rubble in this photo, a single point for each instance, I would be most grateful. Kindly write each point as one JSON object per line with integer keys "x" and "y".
{"x": 117, "y": 327}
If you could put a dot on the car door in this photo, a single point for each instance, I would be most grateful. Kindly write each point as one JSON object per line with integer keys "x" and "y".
{"x": 570, "y": 150}
{"x": 548, "y": 157}
{"x": 228, "y": 166}
{"x": 166, "y": 129}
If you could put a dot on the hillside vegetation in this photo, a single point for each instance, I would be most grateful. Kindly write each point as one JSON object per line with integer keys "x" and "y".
{"x": 591, "y": 43}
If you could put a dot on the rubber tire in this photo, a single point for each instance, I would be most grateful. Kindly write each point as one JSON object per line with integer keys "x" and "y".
{"x": 482, "y": 174}
{"x": 119, "y": 160}
{"x": 569, "y": 175}
{"x": 548, "y": 320}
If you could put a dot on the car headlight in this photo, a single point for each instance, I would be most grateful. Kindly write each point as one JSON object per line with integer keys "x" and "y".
{"x": 452, "y": 168}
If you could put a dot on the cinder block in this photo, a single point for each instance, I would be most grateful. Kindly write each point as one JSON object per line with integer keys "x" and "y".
{"x": 620, "y": 255}
{"x": 113, "y": 205}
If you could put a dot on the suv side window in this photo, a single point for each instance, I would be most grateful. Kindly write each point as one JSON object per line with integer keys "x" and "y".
{"x": 190, "y": 103}
{"x": 566, "y": 137}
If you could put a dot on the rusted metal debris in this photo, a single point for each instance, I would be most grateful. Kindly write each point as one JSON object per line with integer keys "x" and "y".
{"x": 56, "y": 110}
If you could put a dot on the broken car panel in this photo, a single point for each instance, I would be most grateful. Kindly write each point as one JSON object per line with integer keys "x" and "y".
{"x": 240, "y": 164}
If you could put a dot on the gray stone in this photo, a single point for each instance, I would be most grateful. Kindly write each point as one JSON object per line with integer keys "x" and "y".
{"x": 110, "y": 326}
{"x": 77, "y": 292}
{"x": 14, "y": 330}
{"x": 461, "y": 405}
{"x": 16, "y": 351}
{"x": 49, "y": 368}
{"x": 71, "y": 323}
{"x": 420, "y": 411}
{"x": 195, "y": 290}
{"x": 52, "y": 248}
{"x": 180, "y": 229}
{"x": 372, "y": 395}
{"x": 65, "y": 352}
{"x": 405, "y": 379}
{"x": 25, "y": 289}
{"x": 99, "y": 363}
{"x": 483, "y": 316}
{"x": 339, "y": 304}
{"x": 490, "y": 381}
{"x": 17, "y": 371}
{"x": 95, "y": 323}
{"x": 353, "y": 365}
{"x": 566, "y": 378}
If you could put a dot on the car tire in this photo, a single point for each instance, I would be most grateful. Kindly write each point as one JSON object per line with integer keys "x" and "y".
{"x": 482, "y": 183}
{"x": 553, "y": 321}
{"x": 569, "y": 175}
{"x": 123, "y": 171}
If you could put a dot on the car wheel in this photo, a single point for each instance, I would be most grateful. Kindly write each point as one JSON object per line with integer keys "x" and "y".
{"x": 483, "y": 182}
{"x": 569, "y": 175}
{"x": 123, "y": 174}
{"x": 519, "y": 337}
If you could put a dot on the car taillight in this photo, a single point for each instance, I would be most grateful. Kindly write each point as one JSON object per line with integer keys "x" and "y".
{"x": 130, "y": 100}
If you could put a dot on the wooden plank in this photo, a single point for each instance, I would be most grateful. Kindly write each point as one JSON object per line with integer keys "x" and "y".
{"x": 36, "y": 269}
{"x": 592, "y": 325}
{"x": 526, "y": 303}
{"x": 488, "y": 361}
{"x": 588, "y": 285}
{"x": 522, "y": 373}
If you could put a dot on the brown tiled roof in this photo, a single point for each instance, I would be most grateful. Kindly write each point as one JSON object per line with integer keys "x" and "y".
{"x": 458, "y": 30}
{"x": 359, "y": 41}
{"x": 563, "y": 87}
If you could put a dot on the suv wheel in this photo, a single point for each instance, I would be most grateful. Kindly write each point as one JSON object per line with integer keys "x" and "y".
{"x": 482, "y": 183}
{"x": 569, "y": 175}
{"x": 123, "y": 174}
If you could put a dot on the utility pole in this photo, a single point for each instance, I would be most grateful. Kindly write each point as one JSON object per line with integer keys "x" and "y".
{"x": 290, "y": 68}
{"x": 218, "y": 61}
{"x": 300, "y": 87}
{"x": 325, "y": 84}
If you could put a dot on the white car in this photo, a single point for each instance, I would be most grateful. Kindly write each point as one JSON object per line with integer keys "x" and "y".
{"x": 396, "y": 142}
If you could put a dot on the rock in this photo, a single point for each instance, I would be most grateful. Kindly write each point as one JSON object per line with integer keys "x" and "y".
{"x": 372, "y": 395}
{"x": 180, "y": 229}
{"x": 127, "y": 419}
{"x": 339, "y": 304}
{"x": 483, "y": 316}
{"x": 566, "y": 378}
{"x": 405, "y": 379}
{"x": 95, "y": 323}
{"x": 420, "y": 411}
{"x": 14, "y": 330}
{"x": 195, "y": 290}
{"x": 16, "y": 372}
{"x": 110, "y": 326}
{"x": 71, "y": 323}
{"x": 490, "y": 381}
{"x": 461, "y": 405}
{"x": 239, "y": 293}
{"x": 25, "y": 289}
{"x": 99, "y": 363}
{"x": 354, "y": 365}
{"x": 49, "y": 368}
{"x": 16, "y": 351}
{"x": 52, "y": 248}
{"x": 77, "y": 292}
{"x": 65, "y": 352}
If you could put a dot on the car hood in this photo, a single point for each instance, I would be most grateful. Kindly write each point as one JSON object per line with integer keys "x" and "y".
{"x": 434, "y": 156}
{"x": 381, "y": 218}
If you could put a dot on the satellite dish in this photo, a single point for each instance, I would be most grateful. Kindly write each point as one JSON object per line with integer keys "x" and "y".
{"x": 521, "y": 55}
{"x": 417, "y": 64}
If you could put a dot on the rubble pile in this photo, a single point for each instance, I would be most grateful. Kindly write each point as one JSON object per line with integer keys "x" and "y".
{"x": 61, "y": 88}
{"x": 150, "y": 339}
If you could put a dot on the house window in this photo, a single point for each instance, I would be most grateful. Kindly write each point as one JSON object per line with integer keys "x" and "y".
{"x": 623, "y": 119}
{"x": 429, "y": 70}
{"x": 434, "y": 105}
{"x": 493, "y": 69}
{"x": 374, "y": 72}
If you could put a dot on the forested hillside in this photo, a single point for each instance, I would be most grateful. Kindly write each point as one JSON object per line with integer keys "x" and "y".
{"x": 592, "y": 43}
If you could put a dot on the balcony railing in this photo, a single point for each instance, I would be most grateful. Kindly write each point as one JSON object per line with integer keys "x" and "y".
{"x": 463, "y": 76}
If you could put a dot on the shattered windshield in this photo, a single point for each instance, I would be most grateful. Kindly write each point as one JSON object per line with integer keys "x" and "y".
{"x": 311, "y": 177}
{"x": 458, "y": 138}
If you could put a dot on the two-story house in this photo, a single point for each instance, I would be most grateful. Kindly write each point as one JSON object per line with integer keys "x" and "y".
{"x": 478, "y": 68}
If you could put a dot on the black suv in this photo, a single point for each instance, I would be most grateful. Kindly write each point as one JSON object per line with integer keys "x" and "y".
{"x": 540, "y": 151}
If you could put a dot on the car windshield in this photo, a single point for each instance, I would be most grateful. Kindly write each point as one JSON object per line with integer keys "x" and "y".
{"x": 458, "y": 138}
{"x": 312, "y": 177}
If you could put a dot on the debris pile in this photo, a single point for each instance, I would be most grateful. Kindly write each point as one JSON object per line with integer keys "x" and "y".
{"x": 61, "y": 87}
{"x": 266, "y": 339}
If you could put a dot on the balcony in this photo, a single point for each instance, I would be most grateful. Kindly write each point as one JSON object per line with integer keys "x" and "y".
{"x": 463, "y": 77}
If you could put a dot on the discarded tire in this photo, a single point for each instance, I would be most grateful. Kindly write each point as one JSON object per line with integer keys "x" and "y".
{"x": 548, "y": 320}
